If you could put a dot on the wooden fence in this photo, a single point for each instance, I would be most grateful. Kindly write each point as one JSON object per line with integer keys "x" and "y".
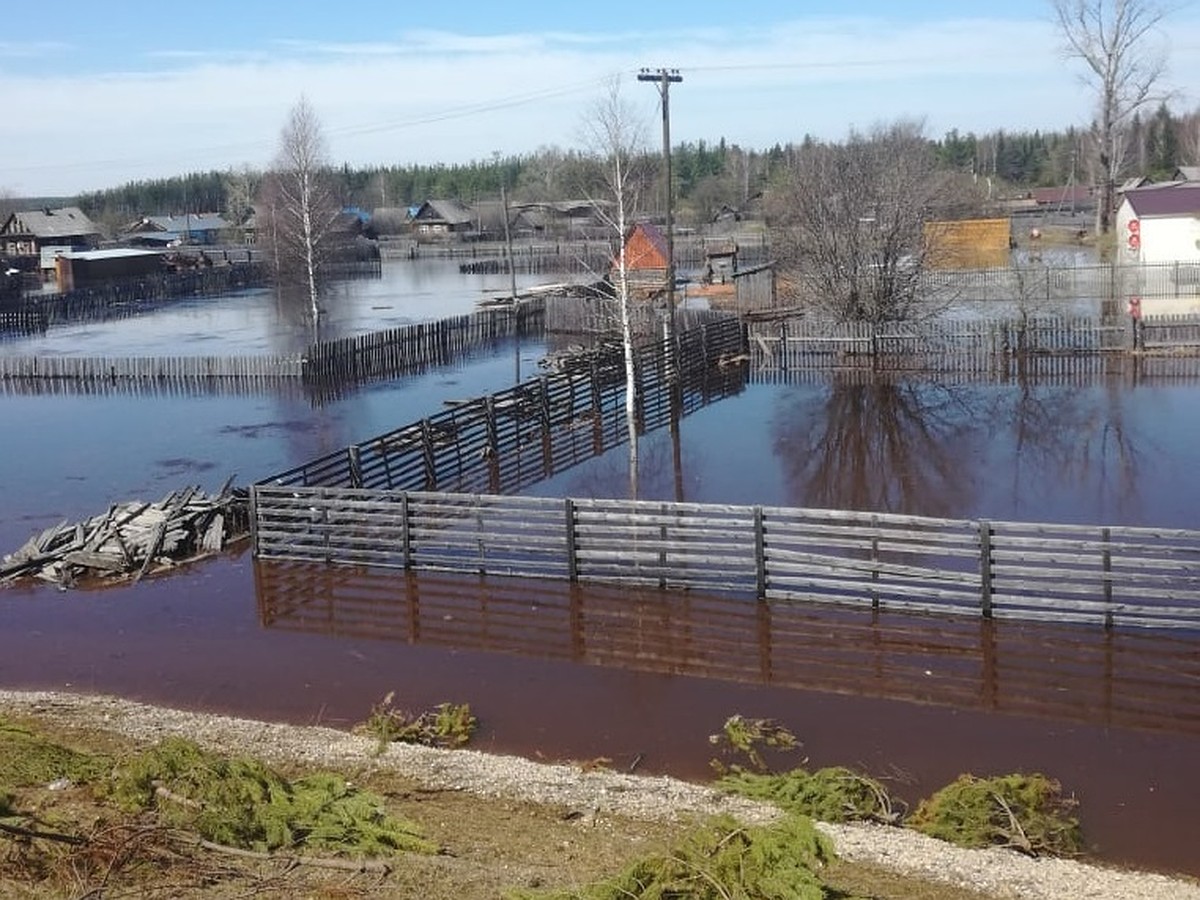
{"x": 1109, "y": 575}
{"x": 396, "y": 351}
{"x": 1118, "y": 678}
{"x": 325, "y": 369}
{"x": 979, "y": 345}
{"x": 1036, "y": 283}
{"x": 512, "y": 439}
{"x": 132, "y": 296}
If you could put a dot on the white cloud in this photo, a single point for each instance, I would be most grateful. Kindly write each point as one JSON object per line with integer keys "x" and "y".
{"x": 431, "y": 96}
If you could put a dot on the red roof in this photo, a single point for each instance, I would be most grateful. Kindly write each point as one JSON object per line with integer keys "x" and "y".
{"x": 1180, "y": 198}
{"x": 645, "y": 248}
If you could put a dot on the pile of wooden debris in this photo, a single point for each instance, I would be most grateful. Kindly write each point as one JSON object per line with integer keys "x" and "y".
{"x": 133, "y": 539}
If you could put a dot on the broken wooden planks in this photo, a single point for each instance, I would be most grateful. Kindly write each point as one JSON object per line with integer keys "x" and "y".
{"x": 133, "y": 539}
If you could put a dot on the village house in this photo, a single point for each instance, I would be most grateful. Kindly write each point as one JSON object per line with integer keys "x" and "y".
{"x": 440, "y": 219}
{"x": 38, "y": 236}
{"x": 163, "y": 231}
{"x": 1160, "y": 223}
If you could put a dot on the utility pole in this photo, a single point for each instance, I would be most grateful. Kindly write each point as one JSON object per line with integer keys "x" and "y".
{"x": 664, "y": 78}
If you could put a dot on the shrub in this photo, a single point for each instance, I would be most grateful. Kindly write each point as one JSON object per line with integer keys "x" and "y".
{"x": 446, "y": 725}
{"x": 723, "y": 860}
{"x": 745, "y": 737}
{"x": 1026, "y": 812}
{"x": 243, "y": 803}
{"x": 831, "y": 795}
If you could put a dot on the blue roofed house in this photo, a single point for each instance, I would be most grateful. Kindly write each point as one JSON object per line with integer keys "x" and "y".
{"x": 166, "y": 231}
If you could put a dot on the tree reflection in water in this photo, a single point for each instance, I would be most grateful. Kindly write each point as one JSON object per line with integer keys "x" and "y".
{"x": 885, "y": 442}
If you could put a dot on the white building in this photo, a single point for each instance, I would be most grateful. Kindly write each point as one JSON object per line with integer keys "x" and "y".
{"x": 1160, "y": 223}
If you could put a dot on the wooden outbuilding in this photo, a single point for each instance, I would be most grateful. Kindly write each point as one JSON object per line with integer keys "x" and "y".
{"x": 645, "y": 260}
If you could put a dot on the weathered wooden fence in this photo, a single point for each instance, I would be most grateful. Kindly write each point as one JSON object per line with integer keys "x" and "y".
{"x": 1036, "y": 283}
{"x": 514, "y": 438}
{"x": 133, "y": 296}
{"x": 979, "y": 345}
{"x": 325, "y": 368}
{"x": 383, "y": 354}
{"x": 588, "y": 316}
{"x": 1124, "y": 678}
{"x": 1107, "y": 575}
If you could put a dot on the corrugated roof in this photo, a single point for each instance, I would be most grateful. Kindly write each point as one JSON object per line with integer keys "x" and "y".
{"x": 114, "y": 253}
{"x": 64, "y": 222}
{"x": 1179, "y": 198}
{"x": 449, "y": 211}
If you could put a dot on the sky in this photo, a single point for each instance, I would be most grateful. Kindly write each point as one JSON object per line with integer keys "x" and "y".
{"x": 99, "y": 94}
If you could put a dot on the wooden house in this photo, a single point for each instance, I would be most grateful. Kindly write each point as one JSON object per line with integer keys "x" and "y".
{"x": 439, "y": 219}
{"x": 645, "y": 260}
{"x": 77, "y": 269}
{"x": 164, "y": 231}
{"x": 31, "y": 232}
{"x": 1160, "y": 223}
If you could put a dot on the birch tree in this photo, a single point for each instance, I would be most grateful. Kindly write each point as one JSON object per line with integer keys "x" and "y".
{"x": 302, "y": 206}
{"x": 616, "y": 145}
{"x": 1115, "y": 40}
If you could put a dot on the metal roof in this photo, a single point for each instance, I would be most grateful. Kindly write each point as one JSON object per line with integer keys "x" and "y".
{"x": 1177, "y": 198}
{"x": 64, "y": 222}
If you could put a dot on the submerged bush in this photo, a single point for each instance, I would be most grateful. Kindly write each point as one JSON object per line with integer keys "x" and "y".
{"x": 831, "y": 795}
{"x": 1026, "y": 812}
{"x": 743, "y": 737}
{"x": 720, "y": 861}
{"x": 243, "y": 803}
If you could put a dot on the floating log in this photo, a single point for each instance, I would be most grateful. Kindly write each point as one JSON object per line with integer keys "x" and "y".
{"x": 133, "y": 539}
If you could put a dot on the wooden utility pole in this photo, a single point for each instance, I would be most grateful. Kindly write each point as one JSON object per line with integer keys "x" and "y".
{"x": 664, "y": 78}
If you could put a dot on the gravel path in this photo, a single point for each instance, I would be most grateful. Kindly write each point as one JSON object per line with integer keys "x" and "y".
{"x": 1000, "y": 873}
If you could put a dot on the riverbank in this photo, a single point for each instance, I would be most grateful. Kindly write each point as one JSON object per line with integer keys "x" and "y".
{"x": 492, "y": 788}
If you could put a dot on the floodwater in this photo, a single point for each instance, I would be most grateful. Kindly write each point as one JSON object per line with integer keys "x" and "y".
{"x": 641, "y": 678}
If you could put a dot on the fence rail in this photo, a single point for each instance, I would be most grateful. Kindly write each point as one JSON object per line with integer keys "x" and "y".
{"x": 1109, "y": 575}
{"x": 980, "y": 345}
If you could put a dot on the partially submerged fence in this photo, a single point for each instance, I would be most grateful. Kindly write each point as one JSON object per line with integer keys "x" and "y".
{"x": 1107, "y": 575}
{"x": 1128, "y": 679}
{"x": 324, "y": 368}
{"x": 1033, "y": 283}
{"x": 979, "y": 345}
{"x": 509, "y": 440}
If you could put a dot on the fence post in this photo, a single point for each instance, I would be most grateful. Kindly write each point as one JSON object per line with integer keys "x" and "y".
{"x": 1106, "y": 566}
{"x": 355, "y": 463}
{"x": 405, "y": 531}
{"x": 572, "y": 557}
{"x": 985, "y": 568}
{"x": 760, "y": 554}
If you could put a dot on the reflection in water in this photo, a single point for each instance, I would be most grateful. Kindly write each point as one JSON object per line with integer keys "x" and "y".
{"x": 877, "y": 443}
{"x": 1129, "y": 680}
{"x": 1082, "y": 438}
{"x": 1016, "y": 445}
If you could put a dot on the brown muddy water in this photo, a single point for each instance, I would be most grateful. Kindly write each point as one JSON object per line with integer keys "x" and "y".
{"x": 561, "y": 673}
{"x": 643, "y": 678}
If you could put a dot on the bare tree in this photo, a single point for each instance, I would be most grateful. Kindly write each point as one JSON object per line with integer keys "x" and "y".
{"x": 616, "y": 144}
{"x": 239, "y": 187}
{"x": 1114, "y": 39}
{"x": 847, "y": 223}
{"x": 302, "y": 206}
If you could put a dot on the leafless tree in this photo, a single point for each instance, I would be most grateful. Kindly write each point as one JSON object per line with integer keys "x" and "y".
{"x": 240, "y": 188}
{"x": 1115, "y": 41}
{"x": 616, "y": 146}
{"x": 302, "y": 206}
{"x": 847, "y": 223}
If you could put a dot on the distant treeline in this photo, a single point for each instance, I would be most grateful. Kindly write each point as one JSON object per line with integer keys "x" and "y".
{"x": 709, "y": 178}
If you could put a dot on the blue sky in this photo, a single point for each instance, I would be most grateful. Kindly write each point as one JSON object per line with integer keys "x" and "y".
{"x": 97, "y": 94}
